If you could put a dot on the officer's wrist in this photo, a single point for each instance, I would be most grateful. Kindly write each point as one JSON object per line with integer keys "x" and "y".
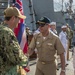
{"x": 63, "y": 70}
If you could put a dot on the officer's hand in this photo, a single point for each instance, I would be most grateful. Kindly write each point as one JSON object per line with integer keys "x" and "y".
{"x": 20, "y": 70}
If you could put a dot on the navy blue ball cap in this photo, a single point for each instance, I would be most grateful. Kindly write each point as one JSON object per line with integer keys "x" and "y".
{"x": 43, "y": 20}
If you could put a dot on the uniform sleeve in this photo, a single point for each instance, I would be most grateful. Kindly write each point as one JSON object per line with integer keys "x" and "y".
{"x": 10, "y": 50}
{"x": 60, "y": 36}
{"x": 59, "y": 47}
{"x": 33, "y": 43}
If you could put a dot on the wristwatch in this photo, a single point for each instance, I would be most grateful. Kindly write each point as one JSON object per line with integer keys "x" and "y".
{"x": 63, "y": 70}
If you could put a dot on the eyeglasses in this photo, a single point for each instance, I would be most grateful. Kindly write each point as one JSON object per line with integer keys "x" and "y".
{"x": 7, "y": 18}
{"x": 42, "y": 25}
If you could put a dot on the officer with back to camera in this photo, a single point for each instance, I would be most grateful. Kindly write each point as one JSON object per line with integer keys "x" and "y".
{"x": 11, "y": 54}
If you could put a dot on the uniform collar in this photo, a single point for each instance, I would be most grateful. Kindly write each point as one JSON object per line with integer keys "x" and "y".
{"x": 50, "y": 35}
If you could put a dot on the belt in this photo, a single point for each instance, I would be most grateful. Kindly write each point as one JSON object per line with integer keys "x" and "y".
{"x": 46, "y": 62}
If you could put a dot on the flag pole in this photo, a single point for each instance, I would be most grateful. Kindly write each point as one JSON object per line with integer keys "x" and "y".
{"x": 8, "y": 3}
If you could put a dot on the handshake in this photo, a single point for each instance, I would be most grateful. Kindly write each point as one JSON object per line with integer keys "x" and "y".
{"x": 20, "y": 70}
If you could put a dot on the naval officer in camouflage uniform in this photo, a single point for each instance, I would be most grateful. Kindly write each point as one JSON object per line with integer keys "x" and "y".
{"x": 11, "y": 54}
{"x": 47, "y": 45}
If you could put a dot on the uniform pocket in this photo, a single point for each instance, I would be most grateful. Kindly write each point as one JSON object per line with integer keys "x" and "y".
{"x": 38, "y": 45}
{"x": 50, "y": 46}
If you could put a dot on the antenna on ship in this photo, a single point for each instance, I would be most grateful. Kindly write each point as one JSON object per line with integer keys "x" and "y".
{"x": 62, "y": 5}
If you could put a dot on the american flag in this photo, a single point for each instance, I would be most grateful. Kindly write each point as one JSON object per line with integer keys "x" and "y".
{"x": 20, "y": 31}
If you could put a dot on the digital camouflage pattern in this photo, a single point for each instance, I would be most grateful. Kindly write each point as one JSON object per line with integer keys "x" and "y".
{"x": 10, "y": 53}
{"x": 69, "y": 36}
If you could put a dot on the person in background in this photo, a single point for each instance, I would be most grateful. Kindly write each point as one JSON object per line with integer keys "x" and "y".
{"x": 70, "y": 37}
{"x": 12, "y": 59}
{"x": 36, "y": 31}
{"x": 69, "y": 32}
{"x": 29, "y": 34}
{"x": 53, "y": 27}
{"x": 74, "y": 57}
{"x": 47, "y": 44}
{"x": 28, "y": 31}
{"x": 64, "y": 41}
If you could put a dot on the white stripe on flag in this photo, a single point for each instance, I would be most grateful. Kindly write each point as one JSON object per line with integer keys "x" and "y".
{"x": 23, "y": 40}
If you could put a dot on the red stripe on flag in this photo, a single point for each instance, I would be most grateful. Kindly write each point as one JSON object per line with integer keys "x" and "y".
{"x": 18, "y": 1}
{"x": 16, "y": 30}
{"x": 25, "y": 48}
